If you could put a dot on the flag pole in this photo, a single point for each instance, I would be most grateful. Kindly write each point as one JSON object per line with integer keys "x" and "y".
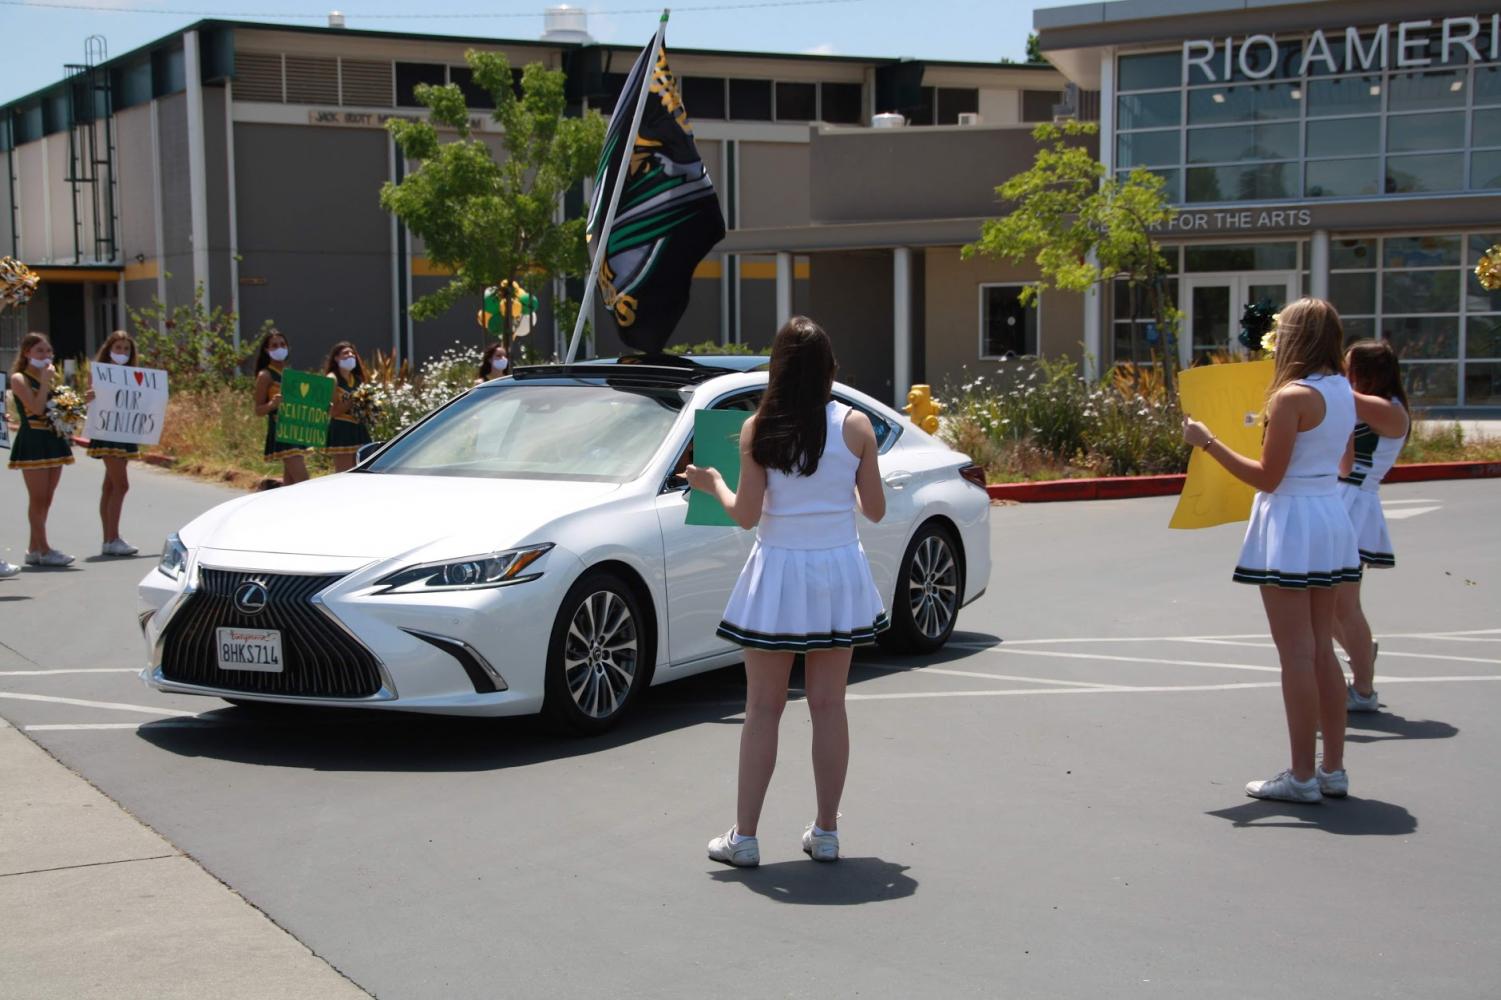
{"x": 620, "y": 176}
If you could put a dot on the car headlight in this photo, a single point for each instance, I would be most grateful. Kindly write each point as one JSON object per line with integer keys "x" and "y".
{"x": 494, "y": 569}
{"x": 174, "y": 558}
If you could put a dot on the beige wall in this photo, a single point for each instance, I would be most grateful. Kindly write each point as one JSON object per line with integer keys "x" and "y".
{"x": 773, "y": 182}
{"x": 951, "y": 318}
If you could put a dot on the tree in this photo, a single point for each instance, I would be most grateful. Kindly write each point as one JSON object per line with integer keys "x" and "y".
{"x": 1083, "y": 228}
{"x": 495, "y": 223}
{"x": 1034, "y": 49}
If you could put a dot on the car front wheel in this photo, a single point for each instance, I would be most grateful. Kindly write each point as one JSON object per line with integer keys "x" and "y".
{"x": 597, "y": 659}
{"x": 927, "y": 593}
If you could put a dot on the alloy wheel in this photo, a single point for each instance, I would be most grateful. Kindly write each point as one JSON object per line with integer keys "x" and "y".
{"x": 933, "y": 586}
{"x": 600, "y": 654}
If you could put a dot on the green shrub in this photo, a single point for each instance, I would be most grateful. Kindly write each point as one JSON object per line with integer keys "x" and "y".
{"x": 1050, "y": 423}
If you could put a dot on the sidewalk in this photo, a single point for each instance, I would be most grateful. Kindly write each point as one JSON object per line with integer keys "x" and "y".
{"x": 94, "y": 904}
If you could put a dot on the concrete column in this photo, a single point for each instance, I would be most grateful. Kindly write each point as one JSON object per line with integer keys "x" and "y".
{"x": 784, "y": 288}
{"x": 197, "y": 163}
{"x": 1318, "y": 264}
{"x": 233, "y": 298}
{"x": 1094, "y": 300}
{"x": 901, "y": 324}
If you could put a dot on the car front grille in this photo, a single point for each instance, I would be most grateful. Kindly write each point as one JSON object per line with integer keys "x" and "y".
{"x": 319, "y": 659}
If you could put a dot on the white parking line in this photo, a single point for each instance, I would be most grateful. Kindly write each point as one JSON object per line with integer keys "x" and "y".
{"x": 1384, "y": 653}
{"x": 1152, "y": 689}
{"x": 83, "y": 703}
{"x": 989, "y": 677}
{"x": 1403, "y": 513}
{"x": 1125, "y": 659}
{"x": 70, "y": 670}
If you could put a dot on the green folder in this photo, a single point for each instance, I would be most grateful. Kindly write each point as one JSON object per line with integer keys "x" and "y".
{"x": 716, "y": 444}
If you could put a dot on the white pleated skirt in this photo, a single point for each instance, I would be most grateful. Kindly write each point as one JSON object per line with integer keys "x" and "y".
{"x": 1298, "y": 541}
{"x": 1371, "y": 537}
{"x": 796, "y": 599}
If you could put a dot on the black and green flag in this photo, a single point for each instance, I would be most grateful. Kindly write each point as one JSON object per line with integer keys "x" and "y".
{"x": 668, "y": 217}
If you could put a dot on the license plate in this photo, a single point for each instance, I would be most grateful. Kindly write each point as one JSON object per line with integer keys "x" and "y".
{"x": 250, "y": 649}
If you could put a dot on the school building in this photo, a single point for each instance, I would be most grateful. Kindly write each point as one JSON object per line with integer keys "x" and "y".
{"x": 1340, "y": 148}
{"x": 248, "y": 157}
{"x": 1349, "y": 150}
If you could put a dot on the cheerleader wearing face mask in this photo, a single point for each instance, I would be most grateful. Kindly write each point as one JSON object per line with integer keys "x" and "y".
{"x": 346, "y": 433}
{"x": 270, "y": 359}
{"x": 495, "y": 363}
{"x": 38, "y": 450}
{"x": 118, "y": 349}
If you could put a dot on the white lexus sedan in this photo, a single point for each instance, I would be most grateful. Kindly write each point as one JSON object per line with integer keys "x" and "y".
{"x": 523, "y": 549}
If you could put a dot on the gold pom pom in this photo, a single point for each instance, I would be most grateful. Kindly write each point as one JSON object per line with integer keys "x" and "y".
{"x": 1488, "y": 271}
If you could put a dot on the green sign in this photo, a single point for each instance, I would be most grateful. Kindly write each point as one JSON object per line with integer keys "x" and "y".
{"x": 302, "y": 418}
{"x": 716, "y": 444}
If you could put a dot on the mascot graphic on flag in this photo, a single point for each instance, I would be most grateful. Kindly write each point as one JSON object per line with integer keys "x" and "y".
{"x": 668, "y": 217}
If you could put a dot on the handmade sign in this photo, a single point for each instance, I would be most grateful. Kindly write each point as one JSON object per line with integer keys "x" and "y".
{"x": 302, "y": 418}
{"x": 1229, "y": 399}
{"x": 716, "y": 445}
{"x": 130, "y": 404}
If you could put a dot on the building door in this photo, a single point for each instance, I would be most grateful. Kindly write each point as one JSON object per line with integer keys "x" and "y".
{"x": 1212, "y": 307}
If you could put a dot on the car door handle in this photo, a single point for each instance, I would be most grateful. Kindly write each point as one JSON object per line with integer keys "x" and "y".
{"x": 897, "y": 480}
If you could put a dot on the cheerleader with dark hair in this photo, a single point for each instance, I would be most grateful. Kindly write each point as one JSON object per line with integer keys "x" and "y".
{"x": 346, "y": 433}
{"x": 270, "y": 359}
{"x": 118, "y": 349}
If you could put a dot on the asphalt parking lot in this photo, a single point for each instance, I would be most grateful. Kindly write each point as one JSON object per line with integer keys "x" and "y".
{"x": 1051, "y": 807}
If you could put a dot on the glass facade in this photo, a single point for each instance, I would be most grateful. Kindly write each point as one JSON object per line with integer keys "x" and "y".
{"x": 1223, "y": 129}
{"x": 1420, "y": 293}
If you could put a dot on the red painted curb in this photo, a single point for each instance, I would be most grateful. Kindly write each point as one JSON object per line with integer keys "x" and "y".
{"x": 1127, "y": 487}
{"x": 1422, "y": 472}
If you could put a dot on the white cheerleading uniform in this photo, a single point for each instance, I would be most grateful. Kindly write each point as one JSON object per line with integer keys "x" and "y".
{"x": 1300, "y": 535}
{"x": 807, "y": 583}
{"x": 1361, "y": 491}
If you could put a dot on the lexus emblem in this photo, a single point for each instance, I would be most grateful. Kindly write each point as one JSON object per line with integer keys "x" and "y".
{"x": 251, "y": 597}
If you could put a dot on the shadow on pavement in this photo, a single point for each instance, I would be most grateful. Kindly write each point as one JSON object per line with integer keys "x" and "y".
{"x": 1383, "y": 726}
{"x": 15, "y": 597}
{"x": 1351, "y": 817}
{"x": 847, "y": 882}
{"x": 349, "y": 739}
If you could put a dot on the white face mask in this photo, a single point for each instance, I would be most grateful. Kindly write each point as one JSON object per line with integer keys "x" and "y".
{"x": 39, "y": 363}
{"x": 119, "y": 359}
{"x": 348, "y": 363}
{"x": 499, "y": 364}
{"x": 277, "y": 354}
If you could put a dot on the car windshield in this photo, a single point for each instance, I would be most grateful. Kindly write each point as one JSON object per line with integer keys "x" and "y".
{"x": 523, "y": 430}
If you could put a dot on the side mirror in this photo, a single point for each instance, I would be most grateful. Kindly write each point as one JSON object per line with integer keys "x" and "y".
{"x": 366, "y": 450}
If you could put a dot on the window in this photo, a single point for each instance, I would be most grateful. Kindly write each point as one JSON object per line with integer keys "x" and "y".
{"x": 750, "y": 100}
{"x": 922, "y": 112}
{"x": 797, "y": 102}
{"x": 476, "y": 96}
{"x": 1037, "y": 105}
{"x": 954, "y": 101}
{"x": 703, "y": 97}
{"x": 1008, "y": 328}
{"x": 409, "y": 75}
{"x": 1315, "y": 132}
{"x": 842, "y": 103}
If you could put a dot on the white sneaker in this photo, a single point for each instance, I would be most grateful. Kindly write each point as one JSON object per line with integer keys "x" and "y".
{"x": 820, "y": 846}
{"x": 1285, "y": 788}
{"x": 1354, "y": 700}
{"x": 1334, "y": 784}
{"x": 51, "y": 557}
{"x": 118, "y": 547}
{"x": 8, "y": 570}
{"x": 745, "y": 854}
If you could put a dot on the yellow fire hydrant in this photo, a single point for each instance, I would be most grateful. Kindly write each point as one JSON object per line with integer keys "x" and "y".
{"x": 923, "y": 408}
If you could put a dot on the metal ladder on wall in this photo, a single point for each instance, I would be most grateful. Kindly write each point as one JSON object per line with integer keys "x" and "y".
{"x": 91, "y": 154}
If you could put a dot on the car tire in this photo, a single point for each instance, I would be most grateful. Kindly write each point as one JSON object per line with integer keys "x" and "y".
{"x": 929, "y": 588}
{"x": 598, "y": 657}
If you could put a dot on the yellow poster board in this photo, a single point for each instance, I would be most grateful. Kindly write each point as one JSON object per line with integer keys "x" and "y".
{"x": 1229, "y": 399}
